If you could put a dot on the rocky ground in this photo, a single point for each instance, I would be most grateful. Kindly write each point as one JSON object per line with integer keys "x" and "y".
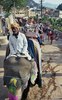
{"x": 51, "y": 73}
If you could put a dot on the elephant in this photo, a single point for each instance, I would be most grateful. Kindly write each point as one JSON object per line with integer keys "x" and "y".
{"x": 20, "y": 69}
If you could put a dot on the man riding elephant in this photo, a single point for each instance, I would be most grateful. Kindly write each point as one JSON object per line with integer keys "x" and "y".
{"x": 19, "y": 66}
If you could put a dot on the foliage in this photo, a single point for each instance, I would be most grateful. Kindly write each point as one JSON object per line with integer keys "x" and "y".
{"x": 8, "y": 4}
{"x": 7, "y": 14}
{"x": 55, "y": 23}
{"x": 44, "y": 19}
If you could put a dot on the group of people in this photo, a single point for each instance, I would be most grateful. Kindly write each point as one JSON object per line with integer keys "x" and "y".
{"x": 21, "y": 46}
{"x": 36, "y": 30}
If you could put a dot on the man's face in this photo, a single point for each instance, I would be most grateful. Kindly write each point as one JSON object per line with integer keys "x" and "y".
{"x": 15, "y": 30}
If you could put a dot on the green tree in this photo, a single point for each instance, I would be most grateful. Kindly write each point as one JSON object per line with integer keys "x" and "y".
{"x": 8, "y": 4}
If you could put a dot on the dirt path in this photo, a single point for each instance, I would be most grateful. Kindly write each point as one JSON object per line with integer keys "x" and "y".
{"x": 51, "y": 73}
{"x": 53, "y": 76}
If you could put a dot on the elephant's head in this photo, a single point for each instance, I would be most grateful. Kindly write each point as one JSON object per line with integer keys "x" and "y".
{"x": 18, "y": 69}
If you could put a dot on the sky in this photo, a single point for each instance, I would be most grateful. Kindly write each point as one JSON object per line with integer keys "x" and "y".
{"x": 50, "y": 1}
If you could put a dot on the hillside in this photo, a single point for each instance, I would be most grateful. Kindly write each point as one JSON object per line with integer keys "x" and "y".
{"x": 32, "y": 4}
{"x": 49, "y": 5}
{"x": 59, "y": 7}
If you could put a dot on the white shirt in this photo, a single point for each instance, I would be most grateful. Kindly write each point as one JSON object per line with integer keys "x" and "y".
{"x": 18, "y": 45}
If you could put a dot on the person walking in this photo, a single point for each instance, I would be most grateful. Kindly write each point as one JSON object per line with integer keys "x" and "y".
{"x": 51, "y": 36}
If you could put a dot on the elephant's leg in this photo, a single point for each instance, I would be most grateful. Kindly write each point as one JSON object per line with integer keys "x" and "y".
{"x": 39, "y": 80}
{"x": 19, "y": 94}
{"x": 25, "y": 92}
